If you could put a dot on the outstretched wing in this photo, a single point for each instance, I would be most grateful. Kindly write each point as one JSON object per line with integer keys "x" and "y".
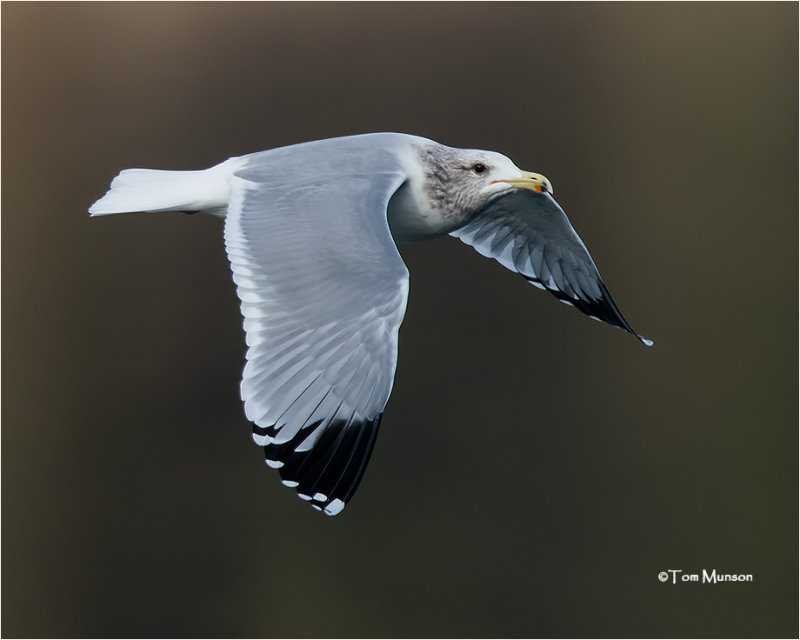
{"x": 528, "y": 232}
{"x": 323, "y": 291}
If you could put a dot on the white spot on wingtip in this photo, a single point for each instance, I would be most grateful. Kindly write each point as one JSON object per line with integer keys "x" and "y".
{"x": 262, "y": 441}
{"x": 317, "y": 507}
{"x": 334, "y": 507}
{"x": 275, "y": 464}
{"x": 289, "y": 483}
{"x": 646, "y": 341}
{"x": 303, "y": 496}
{"x": 538, "y": 285}
{"x": 320, "y": 497}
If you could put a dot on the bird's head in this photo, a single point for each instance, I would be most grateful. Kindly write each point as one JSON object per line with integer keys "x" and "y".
{"x": 464, "y": 180}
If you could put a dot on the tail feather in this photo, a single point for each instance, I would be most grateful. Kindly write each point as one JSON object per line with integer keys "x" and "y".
{"x": 157, "y": 190}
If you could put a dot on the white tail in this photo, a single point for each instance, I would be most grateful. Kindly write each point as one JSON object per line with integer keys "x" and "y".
{"x": 156, "y": 190}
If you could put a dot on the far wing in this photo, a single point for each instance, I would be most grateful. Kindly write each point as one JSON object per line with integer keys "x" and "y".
{"x": 323, "y": 291}
{"x": 528, "y": 232}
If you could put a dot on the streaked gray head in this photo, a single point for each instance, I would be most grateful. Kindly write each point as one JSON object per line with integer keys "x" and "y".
{"x": 448, "y": 186}
{"x": 459, "y": 182}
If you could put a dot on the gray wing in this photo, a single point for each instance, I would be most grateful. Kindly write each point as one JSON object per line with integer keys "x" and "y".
{"x": 528, "y": 232}
{"x": 323, "y": 292}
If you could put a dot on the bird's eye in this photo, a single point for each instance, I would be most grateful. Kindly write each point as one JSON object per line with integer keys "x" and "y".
{"x": 479, "y": 167}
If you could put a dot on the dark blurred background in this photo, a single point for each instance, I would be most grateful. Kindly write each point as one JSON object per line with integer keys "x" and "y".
{"x": 535, "y": 470}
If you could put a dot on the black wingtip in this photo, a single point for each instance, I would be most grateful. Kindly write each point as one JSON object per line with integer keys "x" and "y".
{"x": 614, "y": 316}
{"x": 603, "y": 309}
{"x": 327, "y": 474}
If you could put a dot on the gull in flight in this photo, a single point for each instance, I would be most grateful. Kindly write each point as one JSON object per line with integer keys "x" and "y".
{"x": 311, "y": 232}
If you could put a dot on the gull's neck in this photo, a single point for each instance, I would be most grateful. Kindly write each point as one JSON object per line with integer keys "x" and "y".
{"x": 423, "y": 206}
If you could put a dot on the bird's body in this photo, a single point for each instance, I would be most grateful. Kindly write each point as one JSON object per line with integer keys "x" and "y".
{"x": 311, "y": 232}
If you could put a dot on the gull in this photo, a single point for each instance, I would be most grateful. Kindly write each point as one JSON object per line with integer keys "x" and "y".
{"x": 311, "y": 233}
